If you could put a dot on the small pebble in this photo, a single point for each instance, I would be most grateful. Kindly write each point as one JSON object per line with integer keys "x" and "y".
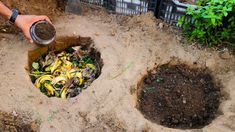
{"x": 224, "y": 55}
{"x": 161, "y": 25}
{"x": 184, "y": 100}
{"x": 14, "y": 113}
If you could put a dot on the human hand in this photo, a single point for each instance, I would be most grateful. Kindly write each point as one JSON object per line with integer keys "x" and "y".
{"x": 24, "y": 22}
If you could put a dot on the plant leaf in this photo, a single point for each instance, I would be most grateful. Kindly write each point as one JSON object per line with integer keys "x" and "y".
{"x": 35, "y": 65}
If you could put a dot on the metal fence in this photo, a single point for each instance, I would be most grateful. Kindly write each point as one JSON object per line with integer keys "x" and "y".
{"x": 172, "y": 10}
{"x": 168, "y": 10}
{"x": 127, "y": 7}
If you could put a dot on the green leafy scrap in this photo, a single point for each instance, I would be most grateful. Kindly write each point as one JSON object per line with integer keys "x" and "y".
{"x": 69, "y": 50}
{"x": 43, "y": 90}
{"x": 35, "y": 65}
{"x": 149, "y": 90}
{"x": 75, "y": 60}
{"x": 159, "y": 79}
{"x": 87, "y": 60}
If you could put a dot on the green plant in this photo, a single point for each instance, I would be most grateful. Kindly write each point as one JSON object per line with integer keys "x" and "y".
{"x": 159, "y": 79}
{"x": 213, "y": 22}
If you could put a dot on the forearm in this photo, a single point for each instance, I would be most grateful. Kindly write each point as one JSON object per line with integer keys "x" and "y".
{"x": 5, "y": 11}
{"x": 24, "y": 22}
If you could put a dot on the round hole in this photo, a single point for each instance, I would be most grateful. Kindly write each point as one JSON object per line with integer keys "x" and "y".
{"x": 65, "y": 68}
{"x": 176, "y": 96}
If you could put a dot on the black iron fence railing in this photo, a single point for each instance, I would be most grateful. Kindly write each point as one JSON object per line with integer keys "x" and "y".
{"x": 127, "y": 7}
{"x": 168, "y": 10}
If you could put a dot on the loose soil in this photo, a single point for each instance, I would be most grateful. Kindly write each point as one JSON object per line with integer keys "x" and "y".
{"x": 13, "y": 122}
{"x": 129, "y": 47}
{"x": 179, "y": 97}
{"x": 45, "y": 31}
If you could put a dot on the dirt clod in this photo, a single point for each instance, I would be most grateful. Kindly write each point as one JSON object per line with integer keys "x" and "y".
{"x": 179, "y": 97}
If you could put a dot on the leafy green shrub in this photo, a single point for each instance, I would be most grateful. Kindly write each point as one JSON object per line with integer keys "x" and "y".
{"x": 213, "y": 22}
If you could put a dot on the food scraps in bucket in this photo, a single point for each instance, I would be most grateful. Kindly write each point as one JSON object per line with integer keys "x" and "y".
{"x": 65, "y": 74}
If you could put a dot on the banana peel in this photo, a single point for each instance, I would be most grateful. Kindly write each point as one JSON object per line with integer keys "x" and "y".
{"x": 76, "y": 73}
{"x": 38, "y": 73}
{"x": 91, "y": 66}
{"x": 60, "y": 78}
{"x": 61, "y": 54}
{"x": 50, "y": 89}
{"x": 41, "y": 79}
{"x": 49, "y": 59}
{"x": 57, "y": 72}
{"x": 64, "y": 93}
{"x": 79, "y": 75}
{"x": 57, "y": 63}
{"x": 70, "y": 73}
{"x": 48, "y": 69}
{"x": 57, "y": 94}
{"x": 67, "y": 65}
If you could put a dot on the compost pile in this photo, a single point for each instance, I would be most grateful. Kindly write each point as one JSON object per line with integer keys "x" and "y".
{"x": 65, "y": 74}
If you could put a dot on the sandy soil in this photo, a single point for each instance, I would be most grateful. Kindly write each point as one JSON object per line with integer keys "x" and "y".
{"x": 129, "y": 47}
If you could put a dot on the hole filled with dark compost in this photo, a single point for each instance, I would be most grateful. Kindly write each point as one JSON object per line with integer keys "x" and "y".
{"x": 176, "y": 96}
{"x": 65, "y": 68}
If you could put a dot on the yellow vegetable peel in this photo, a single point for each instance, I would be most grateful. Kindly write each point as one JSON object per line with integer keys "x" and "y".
{"x": 49, "y": 88}
{"x": 64, "y": 93}
{"x": 42, "y": 79}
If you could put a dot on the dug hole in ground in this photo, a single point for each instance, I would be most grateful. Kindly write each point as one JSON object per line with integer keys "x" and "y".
{"x": 129, "y": 47}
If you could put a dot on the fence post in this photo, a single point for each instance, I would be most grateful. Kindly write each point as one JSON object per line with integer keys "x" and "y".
{"x": 157, "y": 8}
{"x": 110, "y": 4}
